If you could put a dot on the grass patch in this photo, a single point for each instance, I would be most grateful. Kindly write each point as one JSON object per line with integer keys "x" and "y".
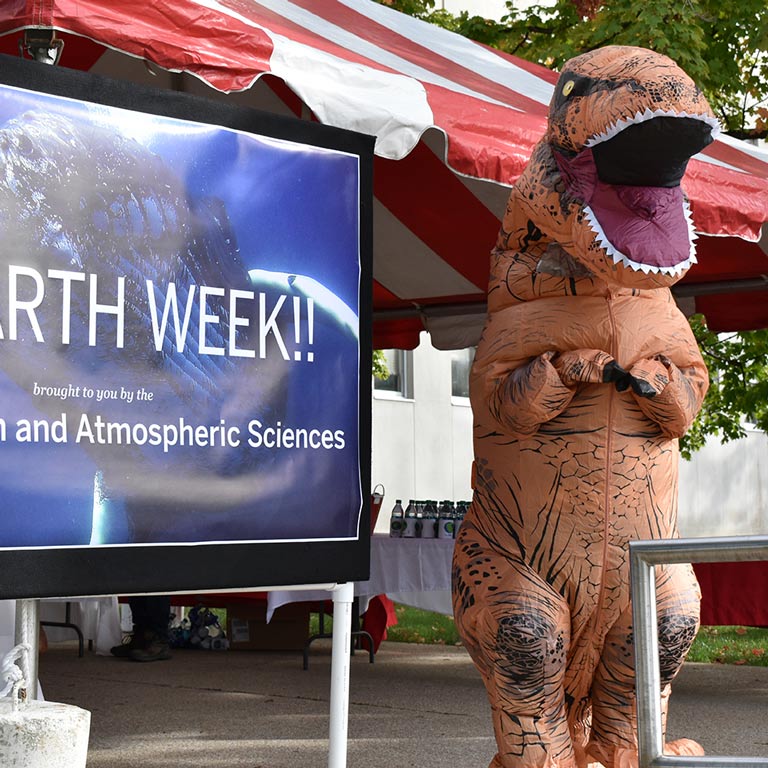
{"x": 417, "y": 626}
{"x": 713, "y": 645}
{"x": 413, "y": 626}
{"x": 731, "y": 645}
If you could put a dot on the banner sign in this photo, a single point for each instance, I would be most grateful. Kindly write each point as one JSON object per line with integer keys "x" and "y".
{"x": 181, "y": 354}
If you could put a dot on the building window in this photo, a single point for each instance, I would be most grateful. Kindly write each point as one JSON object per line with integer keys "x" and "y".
{"x": 461, "y": 362}
{"x": 400, "y": 380}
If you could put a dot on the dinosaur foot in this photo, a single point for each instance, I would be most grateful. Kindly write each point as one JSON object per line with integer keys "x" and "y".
{"x": 626, "y": 757}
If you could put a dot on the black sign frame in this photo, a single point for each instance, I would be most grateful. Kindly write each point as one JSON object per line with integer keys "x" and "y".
{"x": 160, "y": 568}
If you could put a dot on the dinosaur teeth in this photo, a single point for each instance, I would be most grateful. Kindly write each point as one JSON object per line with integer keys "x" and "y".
{"x": 692, "y": 236}
{"x": 648, "y": 114}
{"x": 620, "y": 258}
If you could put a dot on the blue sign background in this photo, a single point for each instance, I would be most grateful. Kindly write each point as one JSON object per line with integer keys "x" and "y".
{"x": 272, "y": 452}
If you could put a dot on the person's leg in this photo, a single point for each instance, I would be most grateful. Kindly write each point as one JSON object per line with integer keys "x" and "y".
{"x": 157, "y": 614}
{"x": 139, "y": 618}
{"x": 156, "y": 610}
{"x": 138, "y": 607}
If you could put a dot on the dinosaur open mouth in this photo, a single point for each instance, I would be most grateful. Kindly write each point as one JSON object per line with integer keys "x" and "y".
{"x": 629, "y": 180}
{"x": 648, "y": 229}
{"x": 651, "y": 151}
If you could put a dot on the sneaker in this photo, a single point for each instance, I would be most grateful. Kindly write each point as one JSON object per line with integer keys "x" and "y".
{"x": 157, "y": 650}
{"x": 124, "y": 650}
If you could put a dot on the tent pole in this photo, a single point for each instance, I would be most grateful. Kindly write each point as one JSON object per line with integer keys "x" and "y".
{"x": 27, "y": 631}
{"x": 343, "y": 596}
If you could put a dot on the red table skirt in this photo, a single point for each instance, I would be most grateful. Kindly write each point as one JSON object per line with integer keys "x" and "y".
{"x": 733, "y": 593}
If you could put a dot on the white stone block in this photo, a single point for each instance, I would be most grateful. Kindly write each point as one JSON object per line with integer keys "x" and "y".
{"x": 43, "y": 734}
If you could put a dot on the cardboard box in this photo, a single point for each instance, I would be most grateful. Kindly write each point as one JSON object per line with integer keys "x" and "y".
{"x": 247, "y": 627}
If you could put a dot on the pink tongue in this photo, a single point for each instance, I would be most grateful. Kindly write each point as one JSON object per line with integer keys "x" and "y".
{"x": 647, "y": 224}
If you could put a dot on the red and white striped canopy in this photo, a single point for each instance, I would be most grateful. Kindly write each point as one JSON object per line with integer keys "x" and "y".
{"x": 455, "y": 123}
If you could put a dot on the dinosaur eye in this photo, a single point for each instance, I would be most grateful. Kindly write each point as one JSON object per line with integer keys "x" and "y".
{"x": 568, "y": 87}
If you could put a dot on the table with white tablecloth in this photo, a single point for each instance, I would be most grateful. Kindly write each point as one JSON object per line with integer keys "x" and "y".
{"x": 414, "y": 572}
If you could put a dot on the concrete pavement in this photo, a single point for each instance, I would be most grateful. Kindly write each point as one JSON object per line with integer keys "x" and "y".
{"x": 417, "y": 705}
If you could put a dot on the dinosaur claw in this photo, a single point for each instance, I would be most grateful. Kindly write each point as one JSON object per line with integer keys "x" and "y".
{"x": 642, "y": 387}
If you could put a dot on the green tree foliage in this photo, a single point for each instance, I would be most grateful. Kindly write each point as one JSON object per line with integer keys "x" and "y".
{"x": 722, "y": 44}
{"x": 738, "y": 391}
{"x": 379, "y": 365}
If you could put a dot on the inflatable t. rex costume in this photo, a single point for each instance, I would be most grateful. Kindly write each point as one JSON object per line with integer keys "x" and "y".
{"x": 585, "y": 376}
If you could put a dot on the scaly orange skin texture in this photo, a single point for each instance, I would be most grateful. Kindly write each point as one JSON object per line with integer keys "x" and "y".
{"x": 568, "y": 470}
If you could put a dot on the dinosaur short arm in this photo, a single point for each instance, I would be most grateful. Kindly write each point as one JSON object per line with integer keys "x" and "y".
{"x": 675, "y": 394}
{"x": 529, "y": 396}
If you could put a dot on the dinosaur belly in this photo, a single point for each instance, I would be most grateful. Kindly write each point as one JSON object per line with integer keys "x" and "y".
{"x": 589, "y": 492}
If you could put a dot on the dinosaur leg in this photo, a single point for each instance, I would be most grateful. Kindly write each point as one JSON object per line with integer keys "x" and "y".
{"x": 678, "y": 600}
{"x": 613, "y": 699}
{"x": 614, "y": 739}
{"x": 517, "y": 630}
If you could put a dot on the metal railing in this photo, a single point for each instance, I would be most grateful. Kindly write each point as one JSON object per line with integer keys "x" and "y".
{"x": 644, "y": 556}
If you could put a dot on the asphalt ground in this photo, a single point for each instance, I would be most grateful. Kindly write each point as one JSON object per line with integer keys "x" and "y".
{"x": 416, "y": 705}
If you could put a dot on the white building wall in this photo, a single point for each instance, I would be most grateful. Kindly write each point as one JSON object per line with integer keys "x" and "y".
{"x": 393, "y": 463}
{"x": 422, "y": 449}
{"x": 724, "y": 488}
{"x": 461, "y": 428}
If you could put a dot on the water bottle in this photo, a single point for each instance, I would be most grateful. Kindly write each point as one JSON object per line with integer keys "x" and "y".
{"x": 447, "y": 521}
{"x": 419, "y": 519}
{"x": 429, "y": 531}
{"x": 397, "y": 520}
{"x": 461, "y": 510}
{"x": 409, "y": 531}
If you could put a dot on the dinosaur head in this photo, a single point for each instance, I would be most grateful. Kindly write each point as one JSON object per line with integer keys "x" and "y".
{"x": 623, "y": 124}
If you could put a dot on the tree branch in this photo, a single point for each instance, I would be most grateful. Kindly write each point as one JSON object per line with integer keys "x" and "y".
{"x": 748, "y": 133}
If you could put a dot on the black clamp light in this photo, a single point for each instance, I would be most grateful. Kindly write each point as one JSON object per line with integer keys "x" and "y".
{"x": 41, "y": 45}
